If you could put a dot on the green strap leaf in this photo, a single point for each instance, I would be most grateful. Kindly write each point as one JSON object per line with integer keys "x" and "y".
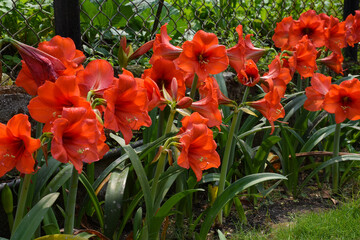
{"x": 328, "y": 163}
{"x": 140, "y": 172}
{"x": 85, "y": 182}
{"x": 230, "y": 193}
{"x": 45, "y": 173}
{"x": 318, "y": 136}
{"x": 164, "y": 210}
{"x": 59, "y": 180}
{"x": 113, "y": 200}
{"x": 61, "y": 237}
{"x": 32, "y": 220}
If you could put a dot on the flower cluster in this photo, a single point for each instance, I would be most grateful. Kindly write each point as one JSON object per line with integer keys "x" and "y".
{"x": 75, "y": 103}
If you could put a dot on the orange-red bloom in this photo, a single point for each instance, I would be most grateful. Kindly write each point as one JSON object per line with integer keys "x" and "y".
{"x": 208, "y": 86}
{"x": 198, "y": 148}
{"x": 162, "y": 47}
{"x": 309, "y": 24}
{"x": 53, "y": 97}
{"x": 344, "y": 100}
{"x": 304, "y": 58}
{"x": 334, "y": 33}
{"x": 352, "y": 26}
{"x": 277, "y": 77}
{"x": 320, "y": 85}
{"x": 97, "y": 76}
{"x": 77, "y": 138}
{"x": 281, "y": 36}
{"x": 334, "y": 62}
{"x": 17, "y": 146}
{"x": 252, "y": 52}
{"x": 270, "y": 107}
{"x": 208, "y": 105}
{"x": 203, "y": 55}
{"x": 236, "y": 54}
{"x": 250, "y": 75}
{"x": 52, "y": 59}
{"x": 162, "y": 72}
{"x": 127, "y": 104}
{"x": 64, "y": 49}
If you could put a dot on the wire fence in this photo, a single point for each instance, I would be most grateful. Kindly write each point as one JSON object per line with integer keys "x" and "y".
{"x": 104, "y": 22}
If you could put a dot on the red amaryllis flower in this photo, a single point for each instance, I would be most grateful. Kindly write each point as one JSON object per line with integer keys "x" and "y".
{"x": 53, "y": 97}
{"x": 162, "y": 72}
{"x": 153, "y": 94}
{"x": 17, "y": 146}
{"x": 37, "y": 67}
{"x": 252, "y": 52}
{"x": 334, "y": 62}
{"x": 64, "y": 49}
{"x": 277, "y": 77}
{"x": 281, "y": 36}
{"x": 52, "y": 59}
{"x": 334, "y": 32}
{"x": 320, "y": 85}
{"x": 97, "y": 77}
{"x": 188, "y": 121}
{"x": 344, "y": 100}
{"x": 127, "y": 104}
{"x": 310, "y": 25}
{"x": 162, "y": 47}
{"x": 203, "y": 55}
{"x": 270, "y": 107}
{"x": 77, "y": 138}
{"x": 208, "y": 107}
{"x": 236, "y": 54}
{"x": 304, "y": 58}
{"x": 352, "y": 26}
{"x": 250, "y": 75}
{"x": 198, "y": 149}
{"x": 208, "y": 85}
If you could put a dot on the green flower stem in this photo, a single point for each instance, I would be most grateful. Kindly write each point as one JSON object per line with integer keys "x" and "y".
{"x": 237, "y": 126}
{"x": 225, "y": 160}
{"x": 161, "y": 162}
{"x": 170, "y": 121}
{"x": 193, "y": 87}
{"x": 71, "y": 202}
{"x": 335, "y": 166}
{"x": 159, "y": 170}
{"x": 22, "y": 201}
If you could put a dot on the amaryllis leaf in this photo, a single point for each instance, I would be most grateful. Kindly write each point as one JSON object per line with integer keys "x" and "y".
{"x": 45, "y": 172}
{"x": 50, "y": 223}
{"x": 318, "y": 136}
{"x": 263, "y": 151}
{"x": 140, "y": 172}
{"x": 61, "y": 237}
{"x": 328, "y": 163}
{"x": 211, "y": 177}
{"x": 32, "y": 220}
{"x": 129, "y": 210}
{"x": 164, "y": 211}
{"x": 293, "y": 105}
{"x": 93, "y": 199}
{"x": 113, "y": 200}
{"x": 229, "y": 193}
{"x": 166, "y": 181}
{"x": 59, "y": 180}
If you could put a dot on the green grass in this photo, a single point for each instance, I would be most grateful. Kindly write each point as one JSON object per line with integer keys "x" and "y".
{"x": 341, "y": 223}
